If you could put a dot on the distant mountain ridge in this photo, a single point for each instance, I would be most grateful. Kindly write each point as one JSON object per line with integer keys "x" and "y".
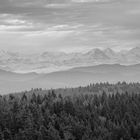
{"x": 55, "y": 61}
{"x": 80, "y": 76}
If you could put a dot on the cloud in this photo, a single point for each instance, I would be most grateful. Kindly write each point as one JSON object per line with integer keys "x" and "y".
{"x": 83, "y": 1}
{"x": 12, "y": 22}
{"x": 68, "y": 38}
{"x": 52, "y": 34}
{"x": 57, "y": 5}
{"x": 134, "y": 12}
{"x": 68, "y": 24}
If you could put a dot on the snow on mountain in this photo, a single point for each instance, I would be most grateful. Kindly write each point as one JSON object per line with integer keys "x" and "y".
{"x": 97, "y": 54}
{"x": 54, "y": 61}
{"x": 110, "y": 53}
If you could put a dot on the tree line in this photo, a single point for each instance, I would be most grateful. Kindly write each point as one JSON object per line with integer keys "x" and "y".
{"x": 104, "y": 112}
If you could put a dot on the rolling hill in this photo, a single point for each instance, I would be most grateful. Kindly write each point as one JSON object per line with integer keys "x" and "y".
{"x": 12, "y": 82}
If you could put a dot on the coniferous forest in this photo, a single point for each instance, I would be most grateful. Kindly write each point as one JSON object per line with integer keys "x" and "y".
{"x": 97, "y": 112}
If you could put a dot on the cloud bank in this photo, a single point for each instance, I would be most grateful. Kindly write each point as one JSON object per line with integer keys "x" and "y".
{"x": 69, "y": 25}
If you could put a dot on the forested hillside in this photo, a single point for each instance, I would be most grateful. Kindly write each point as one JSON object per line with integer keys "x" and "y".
{"x": 96, "y": 112}
{"x": 79, "y": 76}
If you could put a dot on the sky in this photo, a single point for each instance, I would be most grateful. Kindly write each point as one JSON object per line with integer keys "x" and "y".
{"x": 69, "y": 25}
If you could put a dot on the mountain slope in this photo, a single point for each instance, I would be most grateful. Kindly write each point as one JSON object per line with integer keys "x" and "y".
{"x": 11, "y": 82}
{"x": 55, "y": 61}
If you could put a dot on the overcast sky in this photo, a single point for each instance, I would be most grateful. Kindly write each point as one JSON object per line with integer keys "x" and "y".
{"x": 69, "y": 25}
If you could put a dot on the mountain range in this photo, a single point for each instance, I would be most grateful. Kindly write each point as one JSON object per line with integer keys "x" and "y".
{"x": 47, "y": 62}
{"x": 80, "y": 76}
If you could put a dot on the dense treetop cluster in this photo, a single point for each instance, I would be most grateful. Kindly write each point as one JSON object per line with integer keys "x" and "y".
{"x": 97, "y": 112}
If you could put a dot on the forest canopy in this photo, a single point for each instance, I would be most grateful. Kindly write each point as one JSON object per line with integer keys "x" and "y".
{"x": 97, "y": 112}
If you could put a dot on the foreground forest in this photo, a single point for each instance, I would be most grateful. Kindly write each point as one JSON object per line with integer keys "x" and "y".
{"x": 97, "y": 112}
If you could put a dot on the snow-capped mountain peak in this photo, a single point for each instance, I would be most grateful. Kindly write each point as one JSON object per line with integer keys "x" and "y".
{"x": 53, "y": 61}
